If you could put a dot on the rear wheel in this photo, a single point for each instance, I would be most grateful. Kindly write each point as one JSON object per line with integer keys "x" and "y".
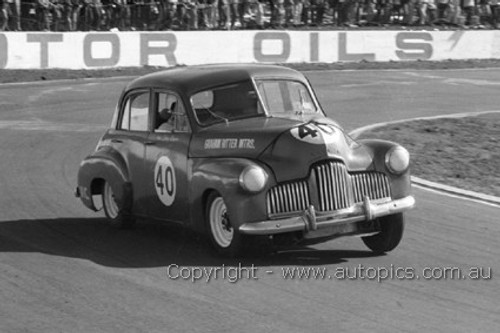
{"x": 391, "y": 232}
{"x": 115, "y": 214}
{"x": 224, "y": 237}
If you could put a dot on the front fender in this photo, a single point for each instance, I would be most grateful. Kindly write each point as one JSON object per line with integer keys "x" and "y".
{"x": 400, "y": 184}
{"x": 222, "y": 175}
{"x": 104, "y": 165}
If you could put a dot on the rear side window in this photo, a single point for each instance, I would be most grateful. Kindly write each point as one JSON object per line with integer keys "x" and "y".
{"x": 136, "y": 112}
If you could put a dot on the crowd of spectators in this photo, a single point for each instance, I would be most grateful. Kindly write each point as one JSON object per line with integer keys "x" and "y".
{"x": 126, "y": 15}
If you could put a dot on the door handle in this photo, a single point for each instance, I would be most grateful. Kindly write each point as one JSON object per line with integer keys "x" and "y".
{"x": 149, "y": 143}
{"x": 116, "y": 141}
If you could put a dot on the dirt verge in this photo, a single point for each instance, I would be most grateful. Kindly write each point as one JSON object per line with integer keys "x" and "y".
{"x": 460, "y": 152}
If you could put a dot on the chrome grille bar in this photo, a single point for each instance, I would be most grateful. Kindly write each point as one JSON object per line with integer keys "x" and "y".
{"x": 334, "y": 185}
{"x": 373, "y": 184}
{"x": 338, "y": 189}
{"x": 288, "y": 198}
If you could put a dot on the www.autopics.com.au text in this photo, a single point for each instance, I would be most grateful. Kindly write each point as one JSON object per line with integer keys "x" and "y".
{"x": 234, "y": 274}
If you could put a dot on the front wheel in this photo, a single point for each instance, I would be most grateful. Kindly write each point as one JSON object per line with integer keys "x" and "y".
{"x": 115, "y": 214}
{"x": 226, "y": 239}
{"x": 391, "y": 232}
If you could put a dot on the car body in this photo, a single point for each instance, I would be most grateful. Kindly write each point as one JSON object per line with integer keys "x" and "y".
{"x": 244, "y": 150}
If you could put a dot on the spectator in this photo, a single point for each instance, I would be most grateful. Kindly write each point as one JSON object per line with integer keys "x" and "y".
{"x": 169, "y": 8}
{"x": 70, "y": 14}
{"x": 469, "y": 7}
{"x": 495, "y": 13}
{"x": 234, "y": 13}
{"x": 484, "y": 12}
{"x": 369, "y": 7}
{"x": 191, "y": 17}
{"x": 255, "y": 14}
{"x": 442, "y": 8}
{"x": 396, "y": 11}
{"x": 306, "y": 12}
{"x": 224, "y": 16}
{"x": 13, "y": 10}
{"x": 317, "y": 12}
{"x": 384, "y": 9}
{"x": 134, "y": 6}
{"x": 43, "y": 12}
{"x": 408, "y": 11}
{"x": 28, "y": 15}
{"x": 202, "y": 14}
{"x": 107, "y": 14}
{"x": 288, "y": 13}
{"x": 212, "y": 13}
{"x": 118, "y": 14}
{"x": 4, "y": 15}
{"x": 55, "y": 15}
{"x": 454, "y": 12}
{"x": 277, "y": 8}
{"x": 427, "y": 10}
{"x": 297, "y": 11}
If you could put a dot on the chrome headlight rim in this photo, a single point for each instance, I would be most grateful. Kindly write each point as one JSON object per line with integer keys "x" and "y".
{"x": 402, "y": 154}
{"x": 254, "y": 171}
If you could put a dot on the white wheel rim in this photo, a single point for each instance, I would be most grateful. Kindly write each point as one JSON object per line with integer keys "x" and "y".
{"x": 110, "y": 202}
{"x": 222, "y": 231}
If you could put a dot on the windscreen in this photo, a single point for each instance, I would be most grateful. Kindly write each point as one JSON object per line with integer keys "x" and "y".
{"x": 226, "y": 103}
{"x": 285, "y": 97}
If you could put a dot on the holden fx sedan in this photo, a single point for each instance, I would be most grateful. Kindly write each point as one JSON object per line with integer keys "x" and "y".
{"x": 241, "y": 151}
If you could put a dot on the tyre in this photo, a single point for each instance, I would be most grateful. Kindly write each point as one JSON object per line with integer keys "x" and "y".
{"x": 116, "y": 215}
{"x": 225, "y": 239}
{"x": 391, "y": 232}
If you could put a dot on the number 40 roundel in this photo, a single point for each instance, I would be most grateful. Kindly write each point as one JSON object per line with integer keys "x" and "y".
{"x": 164, "y": 181}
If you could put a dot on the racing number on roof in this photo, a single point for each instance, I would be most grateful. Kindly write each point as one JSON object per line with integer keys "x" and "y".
{"x": 165, "y": 182}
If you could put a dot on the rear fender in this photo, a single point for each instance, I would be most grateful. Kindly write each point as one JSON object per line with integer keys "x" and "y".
{"x": 105, "y": 165}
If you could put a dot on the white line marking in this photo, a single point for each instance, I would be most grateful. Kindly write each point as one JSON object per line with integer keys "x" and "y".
{"x": 356, "y": 132}
{"x": 454, "y": 195}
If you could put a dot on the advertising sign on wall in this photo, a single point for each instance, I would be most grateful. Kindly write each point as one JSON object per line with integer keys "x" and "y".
{"x": 82, "y": 50}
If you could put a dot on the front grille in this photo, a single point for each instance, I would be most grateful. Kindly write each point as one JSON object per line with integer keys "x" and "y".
{"x": 372, "y": 184}
{"x": 338, "y": 189}
{"x": 288, "y": 198}
{"x": 333, "y": 188}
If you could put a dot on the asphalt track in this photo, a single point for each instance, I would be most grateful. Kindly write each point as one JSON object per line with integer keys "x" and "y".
{"x": 62, "y": 270}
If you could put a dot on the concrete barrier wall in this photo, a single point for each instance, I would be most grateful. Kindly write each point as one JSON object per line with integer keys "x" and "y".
{"x": 78, "y": 50}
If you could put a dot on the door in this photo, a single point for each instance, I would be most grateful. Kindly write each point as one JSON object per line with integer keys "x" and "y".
{"x": 130, "y": 137}
{"x": 166, "y": 160}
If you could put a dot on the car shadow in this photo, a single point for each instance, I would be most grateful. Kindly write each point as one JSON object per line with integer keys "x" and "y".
{"x": 148, "y": 244}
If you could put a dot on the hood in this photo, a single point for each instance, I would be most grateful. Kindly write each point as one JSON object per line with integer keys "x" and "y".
{"x": 294, "y": 151}
{"x": 288, "y": 145}
{"x": 239, "y": 138}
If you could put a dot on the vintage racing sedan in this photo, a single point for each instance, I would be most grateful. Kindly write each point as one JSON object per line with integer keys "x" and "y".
{"x": 241, "y": 151}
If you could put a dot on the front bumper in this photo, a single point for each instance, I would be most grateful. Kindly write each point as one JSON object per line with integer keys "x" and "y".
{"x": 309, "y": 221}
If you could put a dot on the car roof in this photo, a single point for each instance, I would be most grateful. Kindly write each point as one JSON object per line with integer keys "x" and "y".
{"x": 191, "y": 79}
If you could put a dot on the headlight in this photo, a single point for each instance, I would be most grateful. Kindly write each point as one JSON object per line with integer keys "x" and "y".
{"x": 253, "y": 178}
{"x": 397, "y": 160}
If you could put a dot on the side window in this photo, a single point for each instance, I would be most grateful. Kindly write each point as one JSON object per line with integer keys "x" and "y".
{"x": 135, "y": 113}
{"x": 125, "y": 123}
{"x": 170, "y": 114}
